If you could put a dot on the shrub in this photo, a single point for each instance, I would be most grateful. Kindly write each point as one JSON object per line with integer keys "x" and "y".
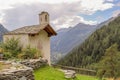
{"x": 7, "y": 55}
{"x": 11, "y": 47}
{"x": 30, "y": 53}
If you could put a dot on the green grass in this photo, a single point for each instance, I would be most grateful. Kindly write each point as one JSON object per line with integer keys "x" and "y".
{"x": 50, "y": 73}
{"x": 84, "y": 77}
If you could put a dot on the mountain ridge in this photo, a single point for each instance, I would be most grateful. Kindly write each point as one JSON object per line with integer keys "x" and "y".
{"x": 91, "y": 51}
{"x": 68, "y": 38}
{"x": 81, "y": 32}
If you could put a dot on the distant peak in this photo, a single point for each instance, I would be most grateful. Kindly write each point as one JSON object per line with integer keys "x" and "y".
{"x": 117, "y": 15}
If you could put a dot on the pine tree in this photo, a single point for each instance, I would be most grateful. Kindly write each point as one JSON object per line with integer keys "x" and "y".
{"x": 110, "y": 63}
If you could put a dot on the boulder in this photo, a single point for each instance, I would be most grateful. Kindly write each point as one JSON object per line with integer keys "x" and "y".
{"x": 34, "y": 63}
{"x": 69, "y": 73}
{"x": 16, "y": 72}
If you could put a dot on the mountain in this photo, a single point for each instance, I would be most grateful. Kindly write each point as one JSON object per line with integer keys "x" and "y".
{"x": 94, "y": 47}
{"x": 2, "y": 31}
{"x": 68, "y": 38}
{"x": 105, "y": 22}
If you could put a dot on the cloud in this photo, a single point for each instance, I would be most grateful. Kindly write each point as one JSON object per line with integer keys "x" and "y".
{"x": 61, "y": 14}
{"x": 68, "y": 21}
{"x": 110, "y": 0}
{"x": 4, "y": 4}
{"x": 95, "y": 5}
{"x": 116, "y": 13}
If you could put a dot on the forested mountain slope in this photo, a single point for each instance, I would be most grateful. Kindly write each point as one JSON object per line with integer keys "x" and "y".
{"x": 94, "y": 47}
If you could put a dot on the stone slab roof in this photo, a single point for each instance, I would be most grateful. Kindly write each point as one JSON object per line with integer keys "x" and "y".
{"x": 34, "y": 29}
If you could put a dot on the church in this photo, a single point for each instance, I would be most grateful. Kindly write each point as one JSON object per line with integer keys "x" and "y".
{"x": 37, "y": 36}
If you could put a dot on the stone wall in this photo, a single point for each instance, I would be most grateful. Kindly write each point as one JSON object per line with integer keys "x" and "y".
{"x": 23, "y": 71}
{"x": 16, "y": 72}
{"x": 34, "y": 63}
{"x": 26, "y": 74}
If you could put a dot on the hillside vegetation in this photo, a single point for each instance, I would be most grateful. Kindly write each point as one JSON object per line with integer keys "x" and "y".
{"x": 93, "y": 48}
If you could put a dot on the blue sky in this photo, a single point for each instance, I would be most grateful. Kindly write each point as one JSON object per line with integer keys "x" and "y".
{"x": 101, "y": 16}
{"x": 63, "y": 13}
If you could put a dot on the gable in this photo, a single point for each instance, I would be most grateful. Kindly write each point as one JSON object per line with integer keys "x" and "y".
{"x": 50, "y": 31}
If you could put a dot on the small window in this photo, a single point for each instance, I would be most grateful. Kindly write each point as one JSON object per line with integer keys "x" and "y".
{"x": 32, "y": 35}
{"x": 46, "y": 18}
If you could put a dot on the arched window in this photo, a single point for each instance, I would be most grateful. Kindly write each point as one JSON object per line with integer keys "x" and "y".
{"x": 46, "y": 18}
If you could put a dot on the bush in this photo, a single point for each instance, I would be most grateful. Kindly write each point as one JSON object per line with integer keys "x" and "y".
{"x": 7, "y": 55}
{"x": 29, "y": 53}
{"x": 12, "y": 47}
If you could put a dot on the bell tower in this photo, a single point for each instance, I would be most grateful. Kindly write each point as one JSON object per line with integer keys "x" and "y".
{"x": 44, "y": 18}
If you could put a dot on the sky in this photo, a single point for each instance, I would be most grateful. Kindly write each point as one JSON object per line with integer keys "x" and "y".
{"x": 63, "y": 13}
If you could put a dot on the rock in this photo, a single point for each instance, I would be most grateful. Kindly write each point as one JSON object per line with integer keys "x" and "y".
{"x": 69, "y": 73}
{"x": 22, "y": 70}
{"x": 34, "y": 63}
{"x": 16, "y": 72}
{"x": 23, "y": 78}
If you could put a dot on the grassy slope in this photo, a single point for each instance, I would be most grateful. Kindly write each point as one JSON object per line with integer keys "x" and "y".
{"x": 84, "y": 77}
{"x": 49, "y": 73}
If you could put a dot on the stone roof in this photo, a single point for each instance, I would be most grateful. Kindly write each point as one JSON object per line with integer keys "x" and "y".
{"x": 34, "y": 29}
